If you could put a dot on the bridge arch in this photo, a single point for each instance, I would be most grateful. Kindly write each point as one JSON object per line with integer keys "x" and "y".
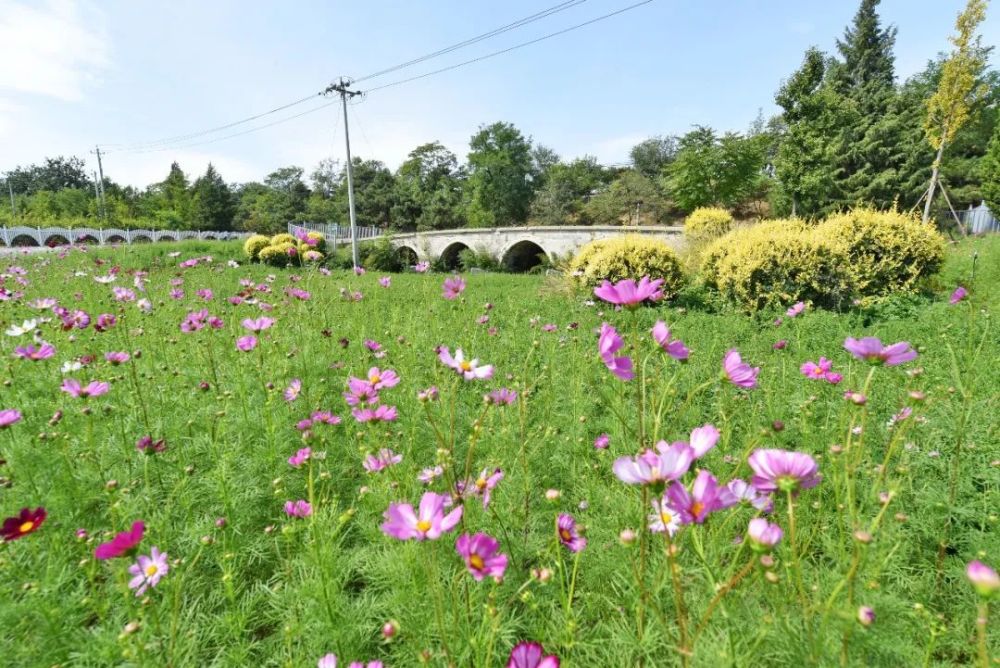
{"x": 114, "y": 239}
{"x": 450, "y": 255}
{"x": 24, "y": 240}
{"x": 407, "y": 256}
{"x": 86, "y": 239}
{"x": 54, "y": 240}
{"x": 141, "y": 239}
{"x": 522, "y": 256}
{"x": 165, "y": 237}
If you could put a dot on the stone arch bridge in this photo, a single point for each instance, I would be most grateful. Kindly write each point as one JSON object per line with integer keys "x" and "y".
{"x": 518, "y": 248}
{"x": 60, "y": 236}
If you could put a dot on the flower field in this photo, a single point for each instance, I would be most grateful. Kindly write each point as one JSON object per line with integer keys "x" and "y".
{"x": 206, "y": 463}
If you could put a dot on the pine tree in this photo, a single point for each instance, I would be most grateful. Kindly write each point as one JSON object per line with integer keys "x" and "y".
{"x": 212, "y": 205}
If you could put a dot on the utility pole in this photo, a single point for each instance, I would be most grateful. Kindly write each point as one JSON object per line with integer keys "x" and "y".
{"x": 341, "y": 87}
{"x": 102, "y": 203}
{"x": 97, "y": 195}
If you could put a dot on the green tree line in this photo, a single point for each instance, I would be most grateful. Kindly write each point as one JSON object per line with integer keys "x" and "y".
{"x": 848, "y": 132}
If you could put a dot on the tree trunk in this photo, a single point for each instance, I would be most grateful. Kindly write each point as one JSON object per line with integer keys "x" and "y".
{"x": 933, "y": 185}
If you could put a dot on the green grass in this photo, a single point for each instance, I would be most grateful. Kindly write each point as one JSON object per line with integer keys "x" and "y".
{"x": 267, "y": 590}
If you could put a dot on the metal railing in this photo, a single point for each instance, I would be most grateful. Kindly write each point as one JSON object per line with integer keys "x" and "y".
{"x": 56, "y": 236}
{"x": 337, "y": 234}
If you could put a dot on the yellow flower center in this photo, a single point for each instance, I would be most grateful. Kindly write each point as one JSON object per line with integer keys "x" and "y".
{"x": 666, "y": 517}
{"x": 697, "y": 508}
{"x": 424, "y": 526}
{"x": 465, "y": 365}
{"x": 565, "y": 535}
{"x": 26, "y": 527}
{"x": 374, "y": 378}
{"x": 481, "y": 483}
{"x": 818, "y": 371}
{"x": 151, "y": 570}
{"x": 476, "y": 562}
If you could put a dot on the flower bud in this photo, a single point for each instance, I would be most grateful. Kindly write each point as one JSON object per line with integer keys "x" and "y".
{"x": 866, "y": 615}
{"x": 552, "y": 494}
{"x": 626, "y": 537}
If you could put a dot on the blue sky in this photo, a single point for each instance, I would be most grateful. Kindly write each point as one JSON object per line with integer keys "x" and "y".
{"x": 76, "y": 73}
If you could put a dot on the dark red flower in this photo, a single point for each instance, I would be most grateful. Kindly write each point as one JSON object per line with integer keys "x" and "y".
{"x": 24, "y": 523}
{"x": 122, "y": 543}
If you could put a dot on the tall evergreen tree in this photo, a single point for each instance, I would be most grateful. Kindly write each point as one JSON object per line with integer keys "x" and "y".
{"x": 212, "y": 202}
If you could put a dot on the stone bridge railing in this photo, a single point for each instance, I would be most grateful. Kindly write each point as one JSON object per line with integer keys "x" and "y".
{"x": 57, "y": 236}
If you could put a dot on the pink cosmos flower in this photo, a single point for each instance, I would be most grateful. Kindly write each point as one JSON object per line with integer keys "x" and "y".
{"x": 380, "y": 379}
{"x": 480, "y": 555}
{"x": 359, "y": 271}
{"x": 104, "y": 322}
{"x": 360, "y": 393}
{"x": 651, "y": 467}
{"x": 744, "y": 492}
{"x": 468, "y": 369}
{"x": 452, "y": 287}
{"x": 9, "y": 416}
{"x": 739, "y": 372}
{"x": 627, "y": 293}
{"x": 706, "y": 496}
{"x": 147, "y": 571}
{"x": 675, "y": 348}
{"x": 147, "y": 445}
{"x": 602, "y": 442}
{"x": 430, "y": 474}
{"x": 92, "y": 389}
{"x": 870, "y": 349}
{"x": 608, "y": 344}
{"x": 783, "y": 470}
{"x": 205, "y": 294}
{"x": 378, "y": 414}
{"x": 502, "y": 397}
{"x": 427, "y": 523}
{"x": 177, "y": 293}
{"x": 779, "y": 345}
{"x": 300, "y": 458}
{"x": 43, "y": 352}
{"x": 384, "y": 459}
{"x": 796, "y": 309}
{"x": 116, "y": 358}
{"x": 293, "y": 390}
{"x": 703, "y": 439}
{"x": 122, "y": 543}
{"x": 300, "y": 508}
{"x": 568, "y": 534}
{"x": 375, "y": 347}
{"x": 531, "y": 655}
{"x": 385, "y": 281}
{"x": 820, "y": 371}
{"x": 483, "y": 485}
{"x": 330, "y": 661}
{"x": 958, "y": 295}
{"x": 123, "y": 294}
{"x": 983, "y": 578}
{"x": 246, "y": 343}
{"x": 763, "y": 535}
{"x": 258, "y": 324}
{"x": 421, "y": 267}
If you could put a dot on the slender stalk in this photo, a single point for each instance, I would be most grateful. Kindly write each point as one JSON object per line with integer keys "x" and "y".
{"x": 983, "y": 651}
{"x": 675, "y": 576}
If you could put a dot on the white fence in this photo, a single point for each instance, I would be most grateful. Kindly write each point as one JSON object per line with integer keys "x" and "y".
{"x": 56, "y": 236}
{"x": 336, "y": 234}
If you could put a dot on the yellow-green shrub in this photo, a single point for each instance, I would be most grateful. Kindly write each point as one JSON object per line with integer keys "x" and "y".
{"x": 319, "y": 239}
{"x": 277, "y": 255}
{"x": 778, "y": 264}
{"x": 582, "y": 258}
{"x": 886, "y": 251}
{"x": 283, "y": 238}
{"x": 310, "y": 255}
{"x": 253, "y": 245}
{"x": 634, "y": 256}
{"x": 718, "y": 249}
{"x": 707, "y": 222}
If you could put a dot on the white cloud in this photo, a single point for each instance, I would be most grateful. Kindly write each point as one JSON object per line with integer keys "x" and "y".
{"x": 52, "y": 49}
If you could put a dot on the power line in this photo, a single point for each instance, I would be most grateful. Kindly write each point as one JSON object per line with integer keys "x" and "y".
{"x": 219, "y": 128}
{"x": 562, "y": 6}
{"x": 509, "y": 49}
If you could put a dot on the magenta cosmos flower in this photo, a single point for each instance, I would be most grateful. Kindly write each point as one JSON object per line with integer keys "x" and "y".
{"x": 383, "y": 460}
{"x": 122, "y": 543}
{"x": 983, "y": 578}
{"x": 382, "y": 379}
{"x": 427, "y": 523}
{"x": 483, "y": 485}
{"x": 706, "y": 496}
{"x": 607, "y": 345}
{"x": 958, "y": 295}
{"x": 531, "y": 655}
{"x": 602, "y": 442}
{"x": 452, "y": 287}
{"x": 821, "y": 370}
{"x": 115, "y": 358}
{"x": 246, "y": 343}
{"x": 739, "y": 372}
{"x": 30, "y": 352}
{"x": 300, "y": 508}
{"x": 92, "y": 389}
{"x": 20, "y": 525}
{"x": 330, "y": 660}
{"x": 502, "y": 397}
{"x": 293, "y": 390}
{"x": 627, "y": 293}
{"x": 147, "y": 571}
{"x": 673, "y": 347}
{"x": 258, "y": 325}
{"x": 568, "y": 534}
{"x": 377, "y": 414}
{"x": 468, "y": 369}
{"x": 9, "y": 416}
{"x": 703, "y": 439}
{"x": 300, "y": 457}
{"x": 763, "y": 535}
{"x": 480, "y": 555}
{"x": 796, "y": 309}
{"x": 783, "y": 470}
{"x": 651, "y": 467}
{"x": 870, "y": 349}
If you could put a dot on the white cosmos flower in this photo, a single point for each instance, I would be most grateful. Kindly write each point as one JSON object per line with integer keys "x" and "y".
{"x": 104, "y": 280}
{"x": 23, "y": 328}
{"x": 70, "y": 367}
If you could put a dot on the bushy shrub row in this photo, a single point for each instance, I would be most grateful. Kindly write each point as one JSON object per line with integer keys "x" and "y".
{"x": 707, "y": 223}
{"x": 285, "y": 249}
{"x": 630, "y": 256}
